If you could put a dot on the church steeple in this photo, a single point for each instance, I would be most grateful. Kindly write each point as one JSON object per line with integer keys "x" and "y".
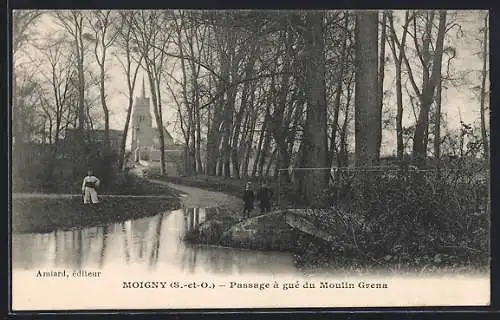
{"x": 143, "y": 88}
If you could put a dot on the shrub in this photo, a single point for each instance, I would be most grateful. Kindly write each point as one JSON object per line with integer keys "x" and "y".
{"x": 411, "y": 220}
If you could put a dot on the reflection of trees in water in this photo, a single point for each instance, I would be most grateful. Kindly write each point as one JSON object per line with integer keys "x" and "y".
{"x": 91, "y": 246}
{"x": 74, "y": 248}
{"x": 193, "y": 217}
{"x": 125, "y": 242}
{"x": 186, "y": 256}
{"x": 79, "y": 248}
{"x": 141, "y": 239}
{"x": 30, "y": 250}
{"x": 103, "y": 246}
{"x": 156, "y": 241}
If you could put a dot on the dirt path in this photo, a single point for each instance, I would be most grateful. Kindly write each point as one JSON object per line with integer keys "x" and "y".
{"x": 196, "y": 197}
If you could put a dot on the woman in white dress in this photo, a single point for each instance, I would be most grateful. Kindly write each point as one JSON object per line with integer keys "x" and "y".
{"x": 89, "y": 186}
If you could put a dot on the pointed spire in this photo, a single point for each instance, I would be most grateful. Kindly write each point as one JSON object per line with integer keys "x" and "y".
{"x": 143, "y": 88}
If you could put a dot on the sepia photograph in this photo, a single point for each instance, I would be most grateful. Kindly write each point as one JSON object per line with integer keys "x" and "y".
{"x": 220, "y": 159}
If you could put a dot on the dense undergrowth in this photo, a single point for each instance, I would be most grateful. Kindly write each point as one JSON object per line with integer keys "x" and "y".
{"x": 404, "y": 222}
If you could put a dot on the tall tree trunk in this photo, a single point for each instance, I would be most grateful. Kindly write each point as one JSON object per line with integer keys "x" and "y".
{"x": 228, "y": 125}
{"x": 105, "y": 109}
{"x": 259, "y": 151}
{"x": 161, "y": 130}
{"x": 484, "y": 73}
{"x": 158, "y": 117}
{"x": 399, "y": 113}
{"x": 367, "y": 119}
{"x": 248, "y": 146}
{"x": 131, "y": 78}
{"x": 199, "y": 163}
{"x": 264, "y": 153}
{"x": 381, "y": 69}
{"x": 419, "y": 151}
{"x": 213, "y": 139}
{"x": 123, "y": 141}
{"x": 315, "y": 153}
{"x": 338, "y": 92}
{"x": 81, "y": 78}
{"x": 342, "y": 160}
{"x": 367, "y": 107}
{"x": 437, "y": 129}
{"x": 398, "y": 60}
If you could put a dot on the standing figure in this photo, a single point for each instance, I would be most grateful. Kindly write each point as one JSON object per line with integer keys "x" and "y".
{"x": 89, "y": 186}
{"x": 264, "y": 197}
{"x": 248, "y": 199}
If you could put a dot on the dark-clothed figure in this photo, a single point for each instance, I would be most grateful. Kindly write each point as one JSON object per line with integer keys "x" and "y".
{"x": 264, "y": 196}
{"x": 248, "y": 199}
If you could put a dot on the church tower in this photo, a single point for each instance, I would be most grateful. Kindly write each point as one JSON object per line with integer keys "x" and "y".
{"x": 142, "y": 125}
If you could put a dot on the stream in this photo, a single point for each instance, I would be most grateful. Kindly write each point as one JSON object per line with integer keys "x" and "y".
{"x": 152, "y": 243}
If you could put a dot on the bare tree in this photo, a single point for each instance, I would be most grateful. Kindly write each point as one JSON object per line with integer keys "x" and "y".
{"x": 152, "y": 35}
{"x": 381, "y": 69}
{"x": 427, "y": 96}
{"x": 101, "y": 23}
{"x": 59, "y": 78}
{"x": 344, "y": 54}
{"x": 398, "y": 50}
{"x": 124, "y": 44}
{"x": 73, "y": 22}
{"x": 431, "y": 74}
{"x": 23, "y": 22}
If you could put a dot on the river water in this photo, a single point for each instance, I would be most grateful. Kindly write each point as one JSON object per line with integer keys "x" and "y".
{"x": 153, "y": 250}
{"x": 152, "y": 243}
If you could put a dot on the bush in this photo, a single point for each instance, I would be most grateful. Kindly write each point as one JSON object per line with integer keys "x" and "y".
{"x": 408, "y": 221}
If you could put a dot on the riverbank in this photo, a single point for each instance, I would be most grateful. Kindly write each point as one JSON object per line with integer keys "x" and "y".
{"x": 385, "y": 240}
{"x": 223, "y": 212}
{"x": 224, "y": 224}
{"x": 48, "y": 212}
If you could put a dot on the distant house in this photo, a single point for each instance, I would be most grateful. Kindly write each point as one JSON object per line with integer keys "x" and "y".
{"x": 96, "y": 137}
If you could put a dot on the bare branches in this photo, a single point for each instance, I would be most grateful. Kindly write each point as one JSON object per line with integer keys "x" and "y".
{"x": 22, "y": 22}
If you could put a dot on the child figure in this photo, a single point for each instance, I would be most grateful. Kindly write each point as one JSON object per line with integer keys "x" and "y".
{"x": 89, "y": 186}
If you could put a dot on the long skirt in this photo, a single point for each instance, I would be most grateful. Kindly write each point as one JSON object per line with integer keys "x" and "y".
{"x": 89, "y": 195}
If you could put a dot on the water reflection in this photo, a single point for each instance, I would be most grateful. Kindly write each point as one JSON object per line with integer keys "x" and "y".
{"x": 152, "y": 243}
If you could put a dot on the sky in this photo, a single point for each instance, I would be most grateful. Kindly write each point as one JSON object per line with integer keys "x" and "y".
{"x": 456, "y": 102}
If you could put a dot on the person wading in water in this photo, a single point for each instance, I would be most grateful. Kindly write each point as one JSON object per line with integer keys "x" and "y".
{"x": 89, "y": 186}
{"x": 248, "y": 199}
{"x": 264, "y": 197}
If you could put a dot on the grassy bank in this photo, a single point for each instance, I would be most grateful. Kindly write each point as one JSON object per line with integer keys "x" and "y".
{"x": 48, "y": 214}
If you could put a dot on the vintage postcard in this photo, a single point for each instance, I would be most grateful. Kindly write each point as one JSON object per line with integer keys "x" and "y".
{"x": 180, "y": 159}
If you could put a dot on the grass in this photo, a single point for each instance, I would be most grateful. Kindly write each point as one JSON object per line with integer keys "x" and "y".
{"x": 45, "y": 215}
